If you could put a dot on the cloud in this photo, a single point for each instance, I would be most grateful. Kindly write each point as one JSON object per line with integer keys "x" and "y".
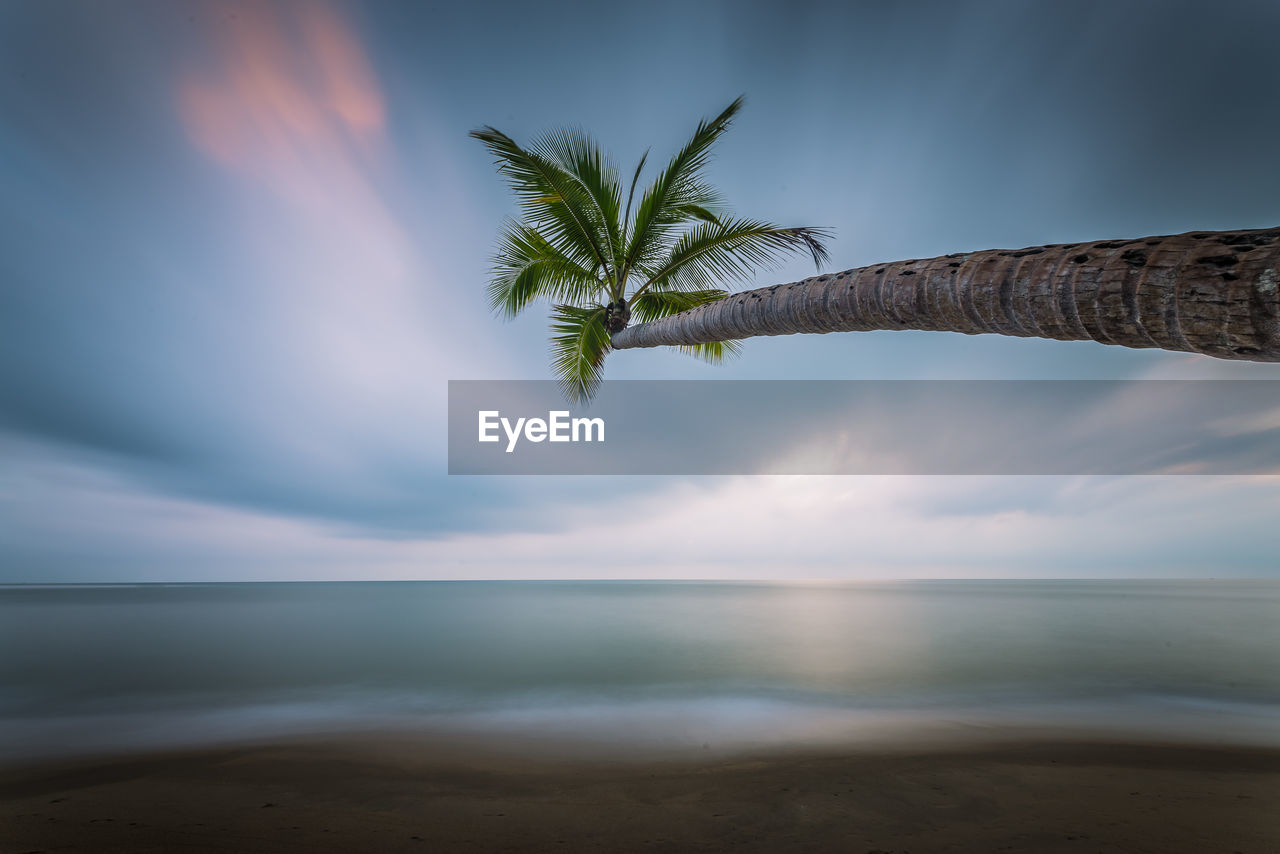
{"x": 275, "y": 96}
{"x": 70, "y": 519}
{"x": 244, "y": 317}
{"x": 894, "y": 527}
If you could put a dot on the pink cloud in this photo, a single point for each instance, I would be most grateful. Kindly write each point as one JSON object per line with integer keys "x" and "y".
{"x": 283, "y": 88}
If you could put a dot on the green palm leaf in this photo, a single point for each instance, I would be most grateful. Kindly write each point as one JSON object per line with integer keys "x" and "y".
{"x": 715, "y": 252}
{"x": 579, "y": 343}
{"x": 669, "y": 198}
{"x": 712, "y": 352}
{"x": 631, "y": 194}
{"x": 552, "y": 200}
{"x": 597, "y": 176}
{"x": 527, "y": 266}
{"x": 655, "y": 305}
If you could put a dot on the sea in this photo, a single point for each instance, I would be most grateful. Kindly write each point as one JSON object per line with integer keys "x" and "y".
{"x": 645, "y": 668}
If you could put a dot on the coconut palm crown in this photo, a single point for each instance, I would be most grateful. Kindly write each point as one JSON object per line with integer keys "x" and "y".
{"x": 600, "y": 259}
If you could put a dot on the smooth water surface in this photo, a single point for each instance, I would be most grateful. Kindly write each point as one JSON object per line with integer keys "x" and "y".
{"x": 634, "y": 663}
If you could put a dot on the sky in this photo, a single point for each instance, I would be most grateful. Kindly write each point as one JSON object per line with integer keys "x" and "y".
{"x": 244, "y": 247}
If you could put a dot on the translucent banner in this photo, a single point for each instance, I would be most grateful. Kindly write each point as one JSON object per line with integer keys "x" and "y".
{"x": 966, "y": 427}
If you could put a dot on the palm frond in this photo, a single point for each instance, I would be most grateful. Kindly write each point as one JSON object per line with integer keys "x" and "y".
{"x": 678, "y": 186}
{"x": 699, "y": 212}
{"x": 527, "y": 266}
{"x": 655, "y": 305}
{"x": 631, "y": 194}
{"x": 712, "y": 352}
{"x": 713, "y": 253}
{"x": 552, "y": 200}
{"x": 580, "y": 157}
{"x": 579, "y": 343}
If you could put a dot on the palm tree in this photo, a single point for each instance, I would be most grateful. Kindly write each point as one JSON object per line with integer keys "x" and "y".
{"x": 599, "y": 263}
{"x": 1213, "y": 293}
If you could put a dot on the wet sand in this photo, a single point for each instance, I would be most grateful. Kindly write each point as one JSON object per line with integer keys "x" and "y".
{"x": 354, "y": 794}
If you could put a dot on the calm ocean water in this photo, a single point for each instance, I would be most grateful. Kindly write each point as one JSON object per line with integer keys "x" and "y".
{"x": 642, "y": 665}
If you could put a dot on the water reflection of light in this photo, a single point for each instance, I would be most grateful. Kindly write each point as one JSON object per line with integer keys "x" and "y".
{"x": 842, "y": 636}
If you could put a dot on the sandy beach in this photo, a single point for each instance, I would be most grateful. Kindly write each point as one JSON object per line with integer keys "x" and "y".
{"x": 362, "y": 793}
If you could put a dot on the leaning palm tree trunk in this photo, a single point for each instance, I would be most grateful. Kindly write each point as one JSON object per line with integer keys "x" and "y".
{"x": 1202, "y": 292}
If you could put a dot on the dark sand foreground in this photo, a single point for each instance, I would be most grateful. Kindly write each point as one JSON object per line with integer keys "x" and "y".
{"x": 363, "y": 794}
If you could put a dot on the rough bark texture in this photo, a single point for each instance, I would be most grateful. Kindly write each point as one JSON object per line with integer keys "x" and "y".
{"x": 1202, "y": 292}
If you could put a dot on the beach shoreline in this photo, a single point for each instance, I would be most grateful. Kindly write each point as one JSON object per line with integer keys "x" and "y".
{"x": 1040, "y": 792}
